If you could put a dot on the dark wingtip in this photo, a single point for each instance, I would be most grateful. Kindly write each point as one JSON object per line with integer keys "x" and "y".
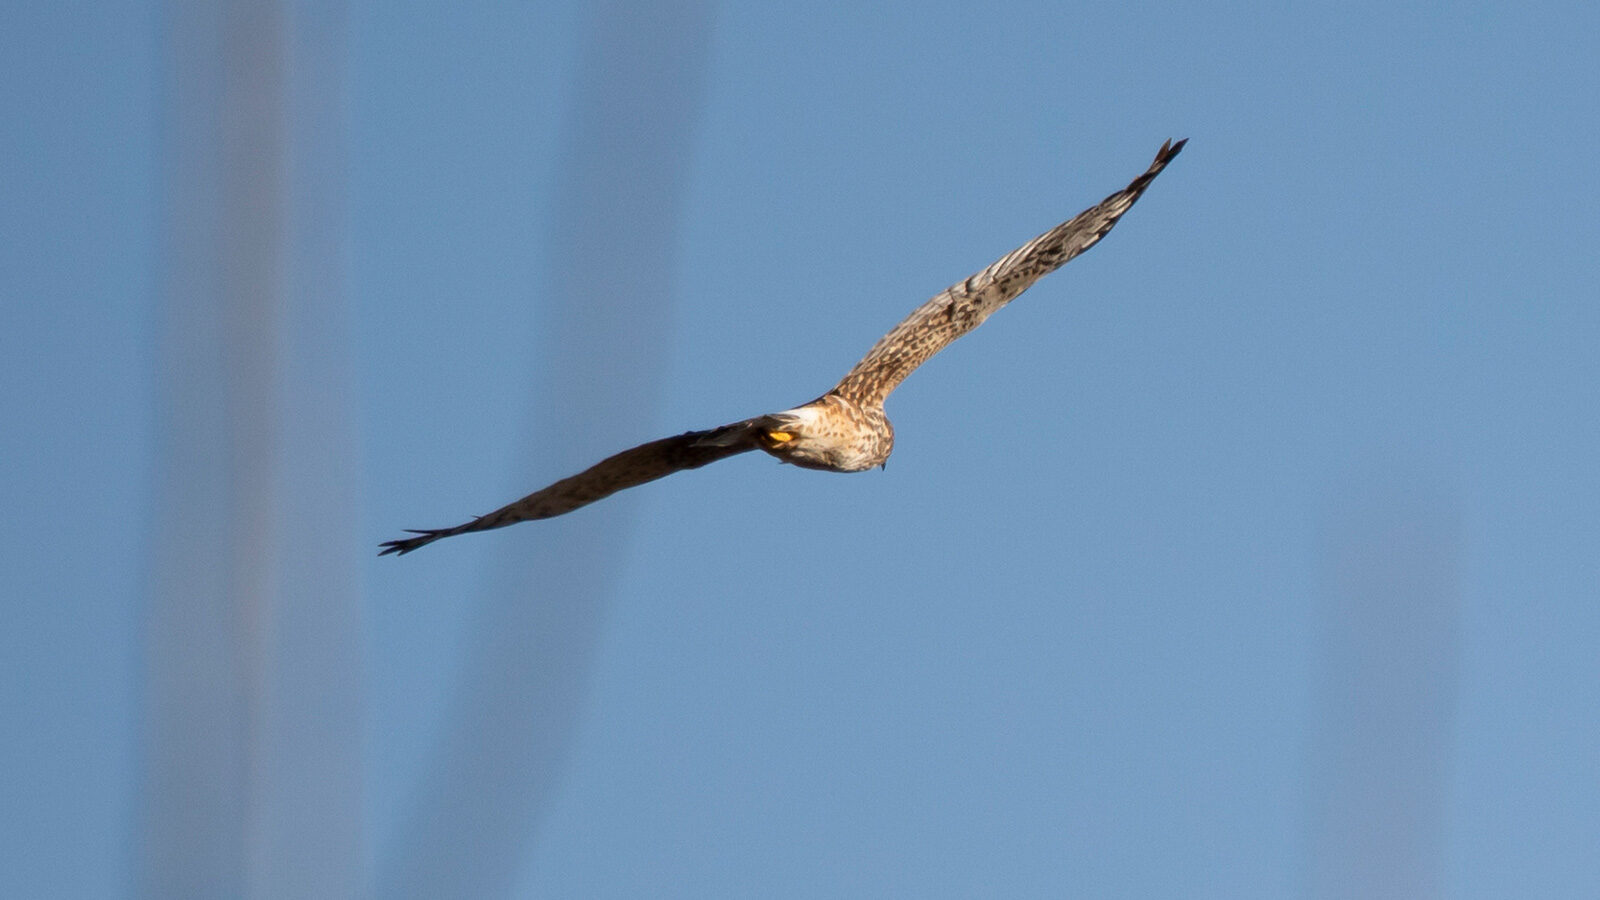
{"x": 406, "y": 545}
{"x": 1163, "y": 156}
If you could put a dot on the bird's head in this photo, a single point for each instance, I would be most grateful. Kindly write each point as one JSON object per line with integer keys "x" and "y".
{"x": 824, "y": 435}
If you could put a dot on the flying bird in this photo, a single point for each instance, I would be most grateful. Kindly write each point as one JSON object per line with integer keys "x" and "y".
{"x": 844, "y": 430}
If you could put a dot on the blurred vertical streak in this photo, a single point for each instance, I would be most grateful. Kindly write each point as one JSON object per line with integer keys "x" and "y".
{"x": 1386, "y": 698}
{"x": 606, "y": 305}
{"x": 252, "y": 712}
{"x": 313, "y": 836}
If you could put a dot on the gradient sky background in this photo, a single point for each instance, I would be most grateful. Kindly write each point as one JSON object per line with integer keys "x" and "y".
{"x": 1256, "y": 553}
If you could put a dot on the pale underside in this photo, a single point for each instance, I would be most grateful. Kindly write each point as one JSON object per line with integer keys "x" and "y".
{"x": 844, "y": 430}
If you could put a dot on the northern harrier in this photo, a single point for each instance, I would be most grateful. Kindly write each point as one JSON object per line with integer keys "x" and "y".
{"x": 844, "y": 430}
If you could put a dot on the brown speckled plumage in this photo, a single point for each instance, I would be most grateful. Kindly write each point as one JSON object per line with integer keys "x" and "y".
{"x": 844, "y": 430}
{"x": 963, "y": 306}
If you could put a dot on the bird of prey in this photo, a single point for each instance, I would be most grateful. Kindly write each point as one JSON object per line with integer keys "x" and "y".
{"x": 844, "y": 430}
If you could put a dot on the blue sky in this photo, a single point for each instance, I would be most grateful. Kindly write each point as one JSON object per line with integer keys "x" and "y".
{"x": 1289, "y": 482}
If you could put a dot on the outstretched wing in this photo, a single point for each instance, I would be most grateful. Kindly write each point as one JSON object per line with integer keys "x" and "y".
{"x": 963, "y": 307}
{"x": 643, "y": 463}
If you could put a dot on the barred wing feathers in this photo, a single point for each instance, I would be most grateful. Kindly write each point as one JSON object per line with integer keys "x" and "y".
{"x": 963, "y": 307}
